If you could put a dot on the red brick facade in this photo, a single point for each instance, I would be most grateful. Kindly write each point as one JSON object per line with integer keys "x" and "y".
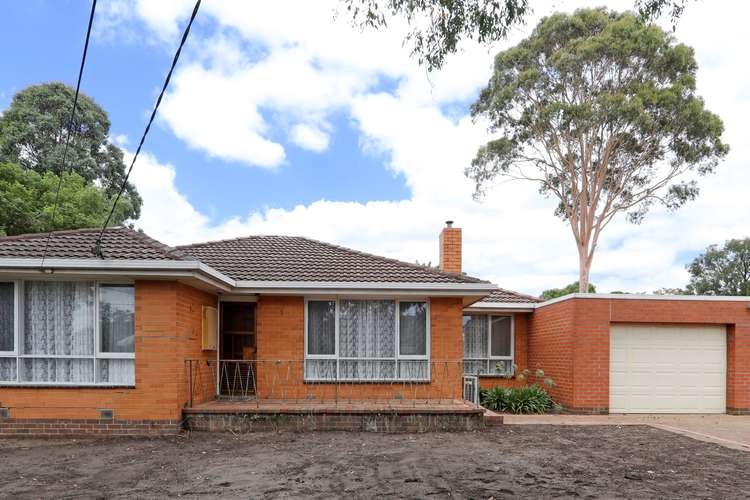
{"x": 167, "y": 331}
{"x": 280, "y": 327}
{"x": 570, "y": 339}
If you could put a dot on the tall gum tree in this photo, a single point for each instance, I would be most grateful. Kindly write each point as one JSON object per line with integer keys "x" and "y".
{"x": 600, "y": 110}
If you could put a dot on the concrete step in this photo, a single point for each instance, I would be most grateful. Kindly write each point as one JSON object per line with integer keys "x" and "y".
{"x": 492, "y": 419}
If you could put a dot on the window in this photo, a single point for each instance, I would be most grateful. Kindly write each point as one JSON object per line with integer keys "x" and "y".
{"x": 366, "y": 340}
{"x": 69, "y": 333}
{"x": 488, "y": 345}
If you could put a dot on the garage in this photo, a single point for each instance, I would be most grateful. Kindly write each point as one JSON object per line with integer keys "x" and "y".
{"x": 667, "y": 369}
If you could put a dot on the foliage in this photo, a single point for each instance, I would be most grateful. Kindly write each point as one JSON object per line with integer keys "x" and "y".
{"x": 600, "y": 110}
{"x": 722, "y": 270}
{"x": 527, "y": 399}
{"x": 33, "y": 132}
{"x": 670, "y": 291}
{"x": 436, "y": 27}
{"x": 532, "y": 398}
{"x": 553, "y": 293}
{"x": 27, "y": 199}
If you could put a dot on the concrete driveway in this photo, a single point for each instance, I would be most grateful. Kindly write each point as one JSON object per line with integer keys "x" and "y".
{"x": 731, "y": 431}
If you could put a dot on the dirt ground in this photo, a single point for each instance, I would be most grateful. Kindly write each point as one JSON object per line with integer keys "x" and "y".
{"x": 509, "y": 461}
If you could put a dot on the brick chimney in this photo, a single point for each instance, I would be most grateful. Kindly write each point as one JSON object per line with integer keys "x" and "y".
{"x": 450, "y": 248}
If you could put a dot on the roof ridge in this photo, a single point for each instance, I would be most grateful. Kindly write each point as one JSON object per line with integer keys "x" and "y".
{"x": 154, "y": 243}
{"x": 26, "y": 236}
{"x": 397, "y": 261}
{"x": 520, "y": 294}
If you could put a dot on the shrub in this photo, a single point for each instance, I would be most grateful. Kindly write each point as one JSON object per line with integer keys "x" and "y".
{"x": 532, "y": 398}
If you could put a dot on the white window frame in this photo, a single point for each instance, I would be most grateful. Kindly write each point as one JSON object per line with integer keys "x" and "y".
{"x": 490, "y": 358}
{"x": 397, "y": 357}
{"x": 19, "y": 356}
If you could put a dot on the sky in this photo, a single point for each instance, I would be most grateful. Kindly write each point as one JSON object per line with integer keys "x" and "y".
{"x": 283, "y": 118}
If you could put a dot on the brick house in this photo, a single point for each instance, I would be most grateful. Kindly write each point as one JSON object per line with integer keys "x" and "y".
{"x": 144, "y": 337}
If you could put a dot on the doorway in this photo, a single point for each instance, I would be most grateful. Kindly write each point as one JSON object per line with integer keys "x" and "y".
{"x": 237, "y": 345}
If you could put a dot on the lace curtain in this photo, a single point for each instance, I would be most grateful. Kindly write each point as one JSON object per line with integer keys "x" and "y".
{"x": 367, "y": 329}
{"x": 477, "y": 350}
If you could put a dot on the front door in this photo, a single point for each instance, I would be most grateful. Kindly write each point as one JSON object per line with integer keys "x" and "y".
{"x": 237, "y": 348}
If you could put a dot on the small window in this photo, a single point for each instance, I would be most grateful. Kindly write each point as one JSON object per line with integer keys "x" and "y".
{"x": 412, "y": 328}
{"x": 321, "y": 327}
{"x": 117, "y": 318}
{"x": 7, "y": 317}
{"x": 488, "y": 345}
{"x": 500, "y": 341}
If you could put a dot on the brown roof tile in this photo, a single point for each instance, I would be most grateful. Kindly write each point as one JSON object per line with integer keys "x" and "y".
{"x": 117, "y": 243}
{"x": 508, "y": 296}
{"x": 294, "y": 258}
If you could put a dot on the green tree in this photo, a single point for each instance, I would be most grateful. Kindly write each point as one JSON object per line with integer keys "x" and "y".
{"x": 27, "y": 199}
{"x": 598, "y": 109}
{"x": 34, "y": 128}
{"x": 574, "y": 287}
{"x": 437, "y": 26}
{"x": 722, "y": 270}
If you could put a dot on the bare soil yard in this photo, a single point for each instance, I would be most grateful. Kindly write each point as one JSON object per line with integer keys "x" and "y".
{"x": 509, "y": 461}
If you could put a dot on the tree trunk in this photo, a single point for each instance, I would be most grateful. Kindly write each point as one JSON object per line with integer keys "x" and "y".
{"x": 584, "y": 264}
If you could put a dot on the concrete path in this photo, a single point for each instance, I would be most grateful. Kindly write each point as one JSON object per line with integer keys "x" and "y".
{"x": 727, "y": 430}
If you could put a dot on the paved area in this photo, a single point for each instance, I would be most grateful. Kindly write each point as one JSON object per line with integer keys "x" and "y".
{"x": 732, "y": 431}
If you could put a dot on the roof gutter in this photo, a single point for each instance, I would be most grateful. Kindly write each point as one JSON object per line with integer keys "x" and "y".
{"x": 166, "y": 268}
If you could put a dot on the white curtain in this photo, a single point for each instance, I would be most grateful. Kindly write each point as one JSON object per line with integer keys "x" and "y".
{"x": 7, "y": 314}
{"x": 117, "y": 371}
{"x": 58, "y": 320}
{"x": 59, "y": 317}
{"x": 367, "y": 329}
{"x": 475, "y": 344}
{"x": 7, "y": 369}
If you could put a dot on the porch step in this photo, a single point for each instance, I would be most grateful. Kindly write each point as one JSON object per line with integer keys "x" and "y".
{"x": 492, "y": 419}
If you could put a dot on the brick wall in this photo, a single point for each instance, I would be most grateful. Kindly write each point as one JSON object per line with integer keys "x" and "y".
{"x": 280, "y": 323}
{"x": 570, "y": 341}
{"x": 450, "y": 250}
{"x": 167, "y": 330}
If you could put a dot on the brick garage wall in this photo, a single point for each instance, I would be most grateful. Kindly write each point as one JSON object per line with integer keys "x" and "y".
{"x": 550, "y": 347}
{"x": 280, "y": 323}
{"x": 167, "y": 330}
{"x": 570, "y": 341}
{"x": 520, "y": 358}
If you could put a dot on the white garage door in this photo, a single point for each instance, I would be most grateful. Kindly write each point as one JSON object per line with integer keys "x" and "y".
{"x": 667, "y": 369}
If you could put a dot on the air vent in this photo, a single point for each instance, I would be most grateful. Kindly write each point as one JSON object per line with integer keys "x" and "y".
{"x": 106, "y": 414}
{"x": 4, "y": 412}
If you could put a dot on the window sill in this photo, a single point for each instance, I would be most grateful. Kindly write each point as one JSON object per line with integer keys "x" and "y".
{"x": 365, "y": 382}
{"x": 31, "y": 385}
{"x": 491, "y": 375}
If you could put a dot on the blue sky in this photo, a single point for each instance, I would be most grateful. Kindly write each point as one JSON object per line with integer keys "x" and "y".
{"x": 124, "y": 76}
{"x": 301, "y": 124}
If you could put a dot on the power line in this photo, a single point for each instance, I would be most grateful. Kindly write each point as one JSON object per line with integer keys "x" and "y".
{"x": 98, "y": 245}
{"x": 70, "y": 129}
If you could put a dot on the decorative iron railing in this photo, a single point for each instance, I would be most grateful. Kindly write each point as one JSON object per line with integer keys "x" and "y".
{"x": 294, "y": 380}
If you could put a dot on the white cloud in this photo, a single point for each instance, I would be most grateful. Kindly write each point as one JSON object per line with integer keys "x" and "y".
{"x": 310, "y": 137}
{"x": 264, "y": 63}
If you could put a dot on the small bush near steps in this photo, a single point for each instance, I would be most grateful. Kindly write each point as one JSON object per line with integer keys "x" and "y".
{"x": 531, "y": 398}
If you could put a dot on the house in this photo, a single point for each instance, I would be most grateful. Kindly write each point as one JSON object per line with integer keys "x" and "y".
{"x": 146, "y": 338}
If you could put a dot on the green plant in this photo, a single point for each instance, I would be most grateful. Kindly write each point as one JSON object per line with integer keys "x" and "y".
{"x": 531, "y": 398}
{"x": 527, "y": 399}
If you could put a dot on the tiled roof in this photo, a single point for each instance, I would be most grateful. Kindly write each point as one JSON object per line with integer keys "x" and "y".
{"x": 117, "y": 243}
{"x": 508, "y": 296}
{"x": 293, "y": 258}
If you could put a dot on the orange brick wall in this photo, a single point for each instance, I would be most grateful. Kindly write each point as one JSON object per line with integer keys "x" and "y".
{"x": 520, "y": 357}
{"x": 167, "y": 330}
{"x": 570, "y": 341}
{"x": 280, "y": 323}
{"x": 450, "y": 250}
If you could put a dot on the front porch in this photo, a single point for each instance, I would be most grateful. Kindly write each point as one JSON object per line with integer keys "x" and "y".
{"x": 395, "y": 415}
